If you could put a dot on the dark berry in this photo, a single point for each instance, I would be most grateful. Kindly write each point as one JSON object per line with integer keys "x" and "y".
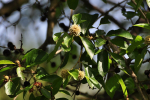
{"x": 117, "y": 70}
{"x": 147, "y": 72}
{"x": 64, "y": 27}
{"x": 123, "y": 9}
{"x": 43, "y": 18}
{"x": 74, "y": 56}
{"x": 17, "y": 51}
{"x": 6, "y": 52}
{"x": 10, "y": 44}
{"x": 148, "y": 91}
{"x": 26, "y": 83}
{"x": 77, "y": 92}
{"x": 106, "y": 42}
{"x": 53, "y": 64}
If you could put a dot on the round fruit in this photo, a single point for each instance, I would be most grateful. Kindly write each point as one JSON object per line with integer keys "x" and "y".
{"x": 26, "y": 83}
{"x": 6, "y": 52}
{"x": 53, "y": 64}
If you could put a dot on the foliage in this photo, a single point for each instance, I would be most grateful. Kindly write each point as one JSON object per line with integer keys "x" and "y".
{"x": 109, "y": 52}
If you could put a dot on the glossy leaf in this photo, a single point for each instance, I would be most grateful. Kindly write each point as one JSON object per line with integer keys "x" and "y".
{"x": 68, "y": 40}
{"x": 77, "y": 18}
{"x": 35, "y": 57}
{"x": 74, "y": 73}
{"x": 137, "y": 41}
{"x": 89, "y": 47}
{"x": 95, "y": 82}
{"x": 124, "y": 89}
{"x": 56, "y": 36}
{"x": 122, "y": 44}
{"x": 56, "y": 85}
{"x": 104, "y": 20}
{"x": 120, "y": 33}
{"x": 89, "y": 21}
{"x": 46, "y": 93}
{"x": 103, "y": 63}
{"x": 62, "y": 99}
{"x": 143, "y": 25}
{"x": 119, "y": 59}
{"x": 99, "y": 42}
{"x": 50, "y": 78}
{"x": 32, "y": 97}
{"x": 111, "y": 86}
{"x": 65, "y": 92}
{"x": 66, "y": 81}
{"x": 138, "y": 4}
{"x": 65, "y": 48}
{"x": 41, "y": 72}
{"x": 130, "y": 85}
{"x": 139, "y": 60}
{"x": 7, "y": 68}
{"x": 20, "y": 72}
{"x": 51, "y": 55}
{"x": 88, "y": 75}
{"x": 100, "y": 33}
{"x": 6, "y": 62}
{"x": 72, "y": 4}
{"x": 65, "y": 61}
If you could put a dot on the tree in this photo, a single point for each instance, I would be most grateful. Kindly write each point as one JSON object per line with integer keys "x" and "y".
{"x": 110, "y": 60}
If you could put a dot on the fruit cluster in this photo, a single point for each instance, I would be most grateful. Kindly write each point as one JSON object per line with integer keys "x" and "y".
{"x": 11, "y": 47}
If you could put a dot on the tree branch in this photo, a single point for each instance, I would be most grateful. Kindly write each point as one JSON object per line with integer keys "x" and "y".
{"x": 12, "y": 6}
{"x": 51, "y": 18}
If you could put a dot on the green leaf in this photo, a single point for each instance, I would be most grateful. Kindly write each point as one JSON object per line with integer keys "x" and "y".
{"x": 20, "y": 72}
{"x": 72, "y": 4}
{"x": 130, "y": 14}
{"x": 100, "y": 33}
{"x": 105, "y": 20}
{"x": 139, "y": 60}
{"x": 148, "y": 2}
{"x": 138, "y": 4}
{"x": 121, "y": 43}
{"x": 89, "y": 47}
{"x": 56, "y": 36}
{"x": 6, "y": 62}
{"x": 35, "y": 57}
{"x": 51, "y": 55}
{"x": 119, "y": 59}
{"x": 130, "y": 85}
{"x": 68, "y": 40}
{"x": 7, "y": 68}
{"x": 120, "y": 33}
{"x": 124, "y": 89}
{"x": 90, "y": 20}
{"x": 86, "y": 58}
{"x": 62, "y": 99}
{"x": 56, "y": 85}
{"x": 143, "y": 25}
{"x": 12, "y": 87}
{"x": 137, "y": 41}
{"x": 50, "y": 78}
{"x": 99, "y": 42}
{"x": 32, "y": 97}
{"x": 65, "y": 59}
{"x": 76, "y": 18}
{"x": 74, "y": 73}
{"x": 65, "y": 48}
{"x": 88, "y": 74}
{"x": 111, "y": 86}
{"x": 95, "y": 82}
{"x": 46, "y": 93}
{"x": 65, "y": 92}
{"x": 41, "y": 72}
{"x": 103, "y": 63}
{"x": 66, "y": 81}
